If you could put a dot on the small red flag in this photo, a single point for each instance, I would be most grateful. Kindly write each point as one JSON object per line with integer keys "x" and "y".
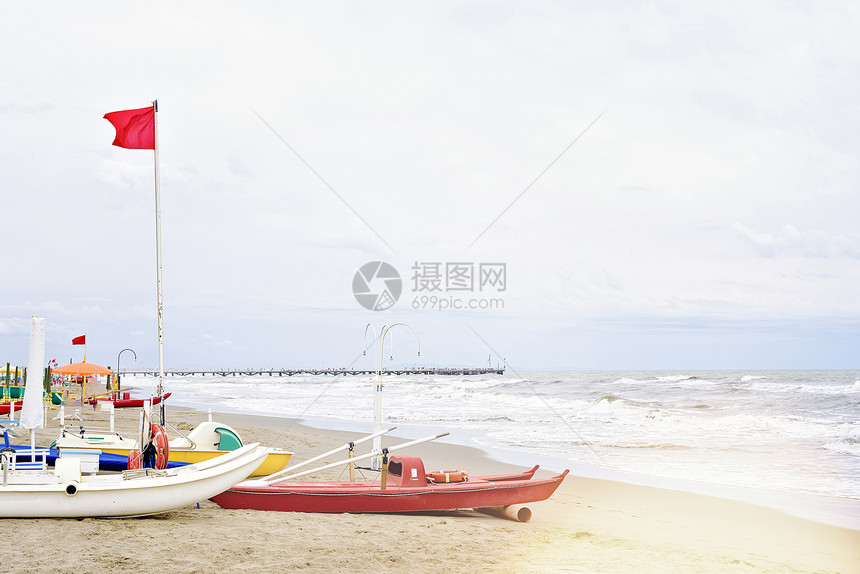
{"x": 82, "y": 340}
{"x": 135, "y": 129}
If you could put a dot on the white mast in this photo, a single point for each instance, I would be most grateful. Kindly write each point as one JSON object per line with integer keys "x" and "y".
{"x": 158, "y": 263}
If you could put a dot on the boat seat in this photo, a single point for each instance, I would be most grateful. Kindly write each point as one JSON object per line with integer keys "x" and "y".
{"x": 229, "y": 439}
{"x": 209, "y": 435}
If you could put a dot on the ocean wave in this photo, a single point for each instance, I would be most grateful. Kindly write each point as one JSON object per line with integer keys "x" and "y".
{"x": 845, "y": 446}
{"x": 844, "y": 389}
{"x": 614, "y": 403}
{"x": 675, "y": 378}
{"x": 647, "y": 445}
{"x": 627, "y": 381}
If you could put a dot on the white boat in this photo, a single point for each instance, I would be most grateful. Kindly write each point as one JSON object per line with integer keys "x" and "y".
{"x": 66, "y": 492}
{"x": 32, "y": 490}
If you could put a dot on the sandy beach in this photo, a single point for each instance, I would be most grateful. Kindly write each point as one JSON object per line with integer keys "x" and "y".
{"x": 589, "y": 525}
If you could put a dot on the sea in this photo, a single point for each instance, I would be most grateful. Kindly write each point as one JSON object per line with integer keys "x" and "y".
{"x": 784, "y": 439}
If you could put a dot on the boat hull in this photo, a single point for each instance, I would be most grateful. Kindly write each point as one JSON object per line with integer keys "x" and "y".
{"x": 336, "y": 497}
{"x": 124, "y": 403}
{"x": 117, "y": 496}
{"x": 275, "y": 460}
{"x": 6, "y": 408}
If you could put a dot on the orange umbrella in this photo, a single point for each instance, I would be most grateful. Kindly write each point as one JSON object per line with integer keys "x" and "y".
{"x": 81, "y": 369}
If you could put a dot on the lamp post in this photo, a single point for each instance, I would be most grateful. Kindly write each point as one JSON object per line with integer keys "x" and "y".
{"x": 377, "y": 397}
{"x": 117, "y": 365}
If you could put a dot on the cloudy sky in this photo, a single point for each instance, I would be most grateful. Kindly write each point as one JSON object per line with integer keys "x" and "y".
{"x": 666, "y": 185}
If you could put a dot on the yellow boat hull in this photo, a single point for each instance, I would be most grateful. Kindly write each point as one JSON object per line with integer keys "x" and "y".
{"x": 276, "y": 459}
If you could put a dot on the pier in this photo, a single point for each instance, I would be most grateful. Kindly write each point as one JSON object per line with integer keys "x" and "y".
{"x": 447, "y": 371}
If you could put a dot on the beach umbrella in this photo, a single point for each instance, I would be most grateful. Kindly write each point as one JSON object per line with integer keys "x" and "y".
{"x": 82, "y": 369}
{"x": 31, "y": 409}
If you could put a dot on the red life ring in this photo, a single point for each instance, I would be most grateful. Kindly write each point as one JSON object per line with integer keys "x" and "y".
{"x": 158, "y": 439}
{"x": 135, "y": 461}
{"x": 447, "y": 476}
{"x": 162, "y": 448}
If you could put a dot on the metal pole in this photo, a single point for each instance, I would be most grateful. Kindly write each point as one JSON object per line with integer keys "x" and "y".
{"x": 158, "y": 263}
{"x": 376, "y": 463}
{"x": 118, "y": 384}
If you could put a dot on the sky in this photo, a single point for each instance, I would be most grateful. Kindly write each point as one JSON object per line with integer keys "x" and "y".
{"x": 597, "y": 185}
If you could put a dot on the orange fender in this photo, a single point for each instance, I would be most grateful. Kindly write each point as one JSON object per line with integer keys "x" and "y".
{"x": 447, "y": 476}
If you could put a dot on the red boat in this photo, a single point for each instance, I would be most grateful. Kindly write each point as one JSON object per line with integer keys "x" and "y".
{"x": 121, "y": 400}
{"x": 5, "y": 408}
{"x": 408, "y": 488}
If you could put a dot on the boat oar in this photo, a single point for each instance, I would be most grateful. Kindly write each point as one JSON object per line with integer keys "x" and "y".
{"x": 268, "y": 480}
{"x": 292, "y": 468}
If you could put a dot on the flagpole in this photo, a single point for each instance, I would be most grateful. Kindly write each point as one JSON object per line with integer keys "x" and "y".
{"x": 158, "y": 262}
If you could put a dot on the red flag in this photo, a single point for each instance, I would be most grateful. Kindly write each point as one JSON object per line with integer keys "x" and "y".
{"x": 135, "y": 129}
{"x": 82, "y": 340}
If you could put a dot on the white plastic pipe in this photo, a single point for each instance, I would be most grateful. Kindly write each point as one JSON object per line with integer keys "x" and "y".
{"x": 511, "y": 512}
{"x": 289, "y": 469}
{"x": 349, "y": 460}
